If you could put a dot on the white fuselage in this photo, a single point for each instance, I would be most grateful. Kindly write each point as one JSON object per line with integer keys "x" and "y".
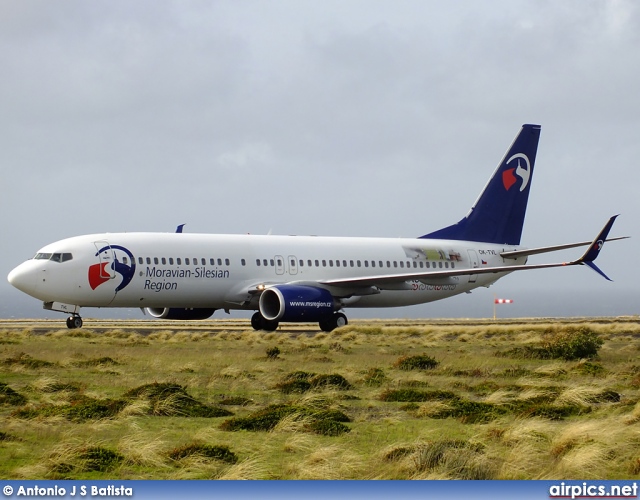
{"x": 221, "y": 271}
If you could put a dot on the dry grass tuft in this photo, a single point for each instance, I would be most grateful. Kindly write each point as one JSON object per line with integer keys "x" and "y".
{"x": 634, "y": 417}
{"x": 144, "y": 449}
{"x": 328, "y": 462}
{"x": 251, "y": 468}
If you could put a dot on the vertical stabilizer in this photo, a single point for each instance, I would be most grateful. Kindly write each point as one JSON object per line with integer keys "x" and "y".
{"x": 498, "y": 214}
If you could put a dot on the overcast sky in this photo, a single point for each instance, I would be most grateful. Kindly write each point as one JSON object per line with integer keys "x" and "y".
{"x": 347, "y": 118}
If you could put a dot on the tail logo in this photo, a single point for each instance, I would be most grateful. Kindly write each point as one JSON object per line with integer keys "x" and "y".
{"x": 508, "y": 177}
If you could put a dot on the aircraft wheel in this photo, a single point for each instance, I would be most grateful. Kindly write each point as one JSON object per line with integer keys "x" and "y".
{"x": 327, "y": 324}
{"x": 340, "y": 320}
{"x": 256, "y": 321}
{"x": 70, "y": 323}
{"x": 77, "y": 322}
{"x": 269, "y": 326}
{"x": 332, "y": 322}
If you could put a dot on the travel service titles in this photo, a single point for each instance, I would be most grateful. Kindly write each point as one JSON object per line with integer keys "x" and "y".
{"x": 154, "y": 275}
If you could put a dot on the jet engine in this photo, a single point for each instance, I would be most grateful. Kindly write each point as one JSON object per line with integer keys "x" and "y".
{"x": 296, "y": 303}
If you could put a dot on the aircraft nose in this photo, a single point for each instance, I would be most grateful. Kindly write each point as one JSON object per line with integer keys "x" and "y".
{"x": 23, "y": 278}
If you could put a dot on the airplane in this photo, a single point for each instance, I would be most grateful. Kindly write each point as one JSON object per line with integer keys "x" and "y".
{"x": 298, "y": 278}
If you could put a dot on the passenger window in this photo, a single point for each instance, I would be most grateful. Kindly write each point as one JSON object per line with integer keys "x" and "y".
{"x": 219, "y": 262}
{"x": 265, "y": 262}
{"x": 453, "y": 265}
{"x": 178, "y": 260}
{"x": 309, "y": 263}
{"x": 243, "y": 262}
{"x": 148, "y": 260}
{"x": 271, "y": 262}
{"x": 324, "y": 263}
{"x": 446, "y": 264}
{"x": 359, "y": 263}
{"x": 366, "y": 263}
{"x": 344, "y": 263}
{"x": 164, "y": 261}
{"x": 421, "y": 264}
{"x": 301, "y": 263}
{"x": 388, "y": 264}
{"x": 373, "y": 263}
{"x": 402, "y": 264}
{"x": 440, "y": 264}
{"x": 279, "y": 263}
{"x": 212, "y": 262}
{"x": 395, "y": 263}
{"x": 317, "y": 263}
{"x": 350, "y": 263}
{"x": 226, "y": 262}
{"x": 381, "y": 265}
{"x": 186, "y": 260}
{"x": 140, "y": 261}
{"x": 258, "y": 262}
{"x": 171, "y": 261}
{"x": 337, "y": 263}
{"x": 330, "y": 263}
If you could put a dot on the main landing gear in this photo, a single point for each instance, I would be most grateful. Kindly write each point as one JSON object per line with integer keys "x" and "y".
{"x": 259, "y": 322}
{"x": 332, "y": 322}
{"x": 74, "y": 321}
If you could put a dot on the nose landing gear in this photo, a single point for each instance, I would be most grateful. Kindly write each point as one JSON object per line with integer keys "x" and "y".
{"x": 74, "y": 321}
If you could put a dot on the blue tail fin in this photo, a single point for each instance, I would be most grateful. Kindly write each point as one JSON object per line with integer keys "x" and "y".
{"x": 497, "y": 216}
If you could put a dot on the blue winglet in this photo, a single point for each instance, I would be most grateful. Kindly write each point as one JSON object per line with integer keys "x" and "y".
{"x": 180, "y": 228}
{"x": 598, "y": 270}
{"x": 594, "y": 249}
{"x": 596, "y": 246}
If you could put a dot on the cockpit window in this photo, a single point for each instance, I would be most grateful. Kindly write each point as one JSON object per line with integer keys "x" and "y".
{"x": 56, "y": 257}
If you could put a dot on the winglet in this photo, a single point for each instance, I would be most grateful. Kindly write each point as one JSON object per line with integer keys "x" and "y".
{"x": 180, "y": 228}
{"x": 596, "y": 246}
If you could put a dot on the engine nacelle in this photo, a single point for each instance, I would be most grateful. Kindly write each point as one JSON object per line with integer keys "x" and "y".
{"x": 179, "y": 313}
{"x": 296, "y": 303}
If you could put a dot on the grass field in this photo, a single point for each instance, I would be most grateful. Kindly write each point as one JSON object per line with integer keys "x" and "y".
{"x": 393, "y": 399}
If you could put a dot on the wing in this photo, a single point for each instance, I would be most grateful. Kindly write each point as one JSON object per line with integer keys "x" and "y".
{"x": 433, "y": 277}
